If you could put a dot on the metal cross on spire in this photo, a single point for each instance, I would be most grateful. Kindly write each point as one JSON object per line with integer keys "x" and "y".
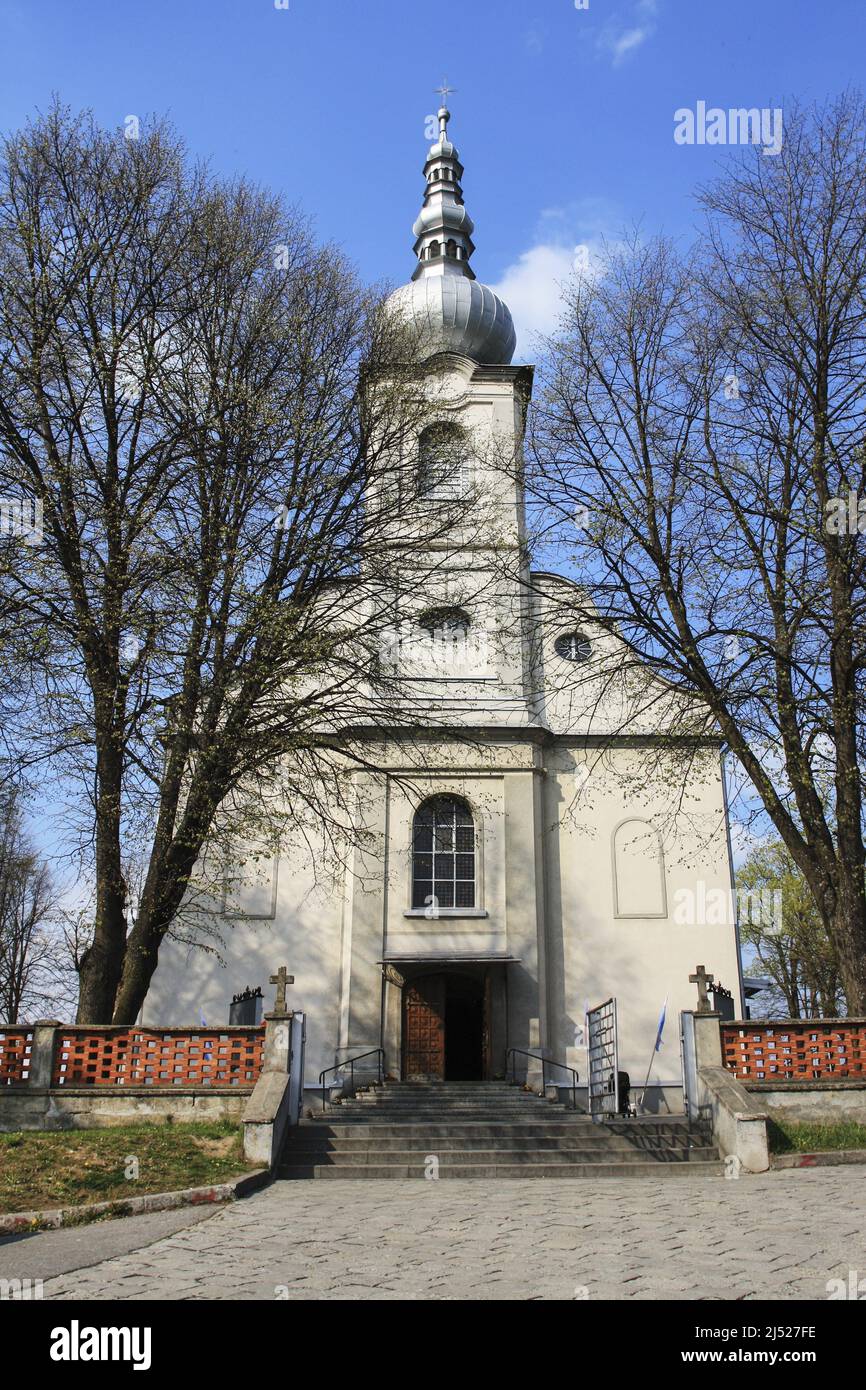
{"x": 444, "y": 91}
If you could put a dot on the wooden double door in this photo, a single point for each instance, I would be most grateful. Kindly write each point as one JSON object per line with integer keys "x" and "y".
{"x": 446, "y": 1027}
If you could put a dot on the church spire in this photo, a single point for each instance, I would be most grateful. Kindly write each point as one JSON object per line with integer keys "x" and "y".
{"x": 443, "y": 228}
{"x": 445, "y": 305}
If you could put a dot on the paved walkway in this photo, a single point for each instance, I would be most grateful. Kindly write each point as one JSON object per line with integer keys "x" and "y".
{"x": 780, "y": 1235}
{"x": 50, "y": 1253}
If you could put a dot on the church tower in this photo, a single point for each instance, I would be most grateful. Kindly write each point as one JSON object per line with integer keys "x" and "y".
{"x": 451, "y": 912}
{"x": 474, "y": 636}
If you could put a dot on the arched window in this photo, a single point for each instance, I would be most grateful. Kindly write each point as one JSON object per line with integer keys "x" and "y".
{"x": 434, "y": 249}
{"x": 443, "y": 854}
{"x": 638, "y": 870}
{"x": 442, "y": 461}
{"x": 445, "y": 624}
{"x": 451, "y": 248}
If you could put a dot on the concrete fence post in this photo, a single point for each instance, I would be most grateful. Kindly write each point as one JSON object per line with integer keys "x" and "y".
{"x": 268, "y": 1112}
{"x": 708, "y": 1040}
{"x": 739, "y": 1124}
{"x": 277, "y": 1048}
{"x": 42, "y": 1052}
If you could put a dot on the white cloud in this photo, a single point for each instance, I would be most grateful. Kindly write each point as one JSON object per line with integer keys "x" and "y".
{"x": 622, "y": 37}
{"x": 568, "y": 242}
{"x": 532, "y": 289}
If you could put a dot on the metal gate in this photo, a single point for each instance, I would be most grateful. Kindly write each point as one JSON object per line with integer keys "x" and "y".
{"x": 297, "y": 1045}
{"x": 689, "y": 1061}
{"x": 602, "y": 1058}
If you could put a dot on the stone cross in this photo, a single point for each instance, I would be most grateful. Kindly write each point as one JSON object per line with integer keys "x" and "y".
{"x": 702, "y": 979}
{"x": 281, "y": 979}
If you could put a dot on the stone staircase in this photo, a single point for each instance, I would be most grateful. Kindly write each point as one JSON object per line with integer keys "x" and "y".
{"x": 486, "y": 1130}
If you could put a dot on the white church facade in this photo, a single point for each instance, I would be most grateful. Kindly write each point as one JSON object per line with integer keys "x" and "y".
{"x": 520, "y": 860}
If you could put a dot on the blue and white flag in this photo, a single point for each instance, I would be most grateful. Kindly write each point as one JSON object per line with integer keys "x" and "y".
{"x": 581, "y": 1033}
{"x": 661, "y": 1025}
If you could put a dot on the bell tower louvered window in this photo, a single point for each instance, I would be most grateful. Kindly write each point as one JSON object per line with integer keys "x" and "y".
{"x": 442, "y": 461}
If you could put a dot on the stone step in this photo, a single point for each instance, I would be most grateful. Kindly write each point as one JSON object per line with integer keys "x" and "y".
{"x": 448, "y": 1143}
{"x": 444, "y": 1086}
{"x": 296, "y": 1156}
{"x": 499, "y": 1171}
{"x": 510, "y": 1099}
{"x": 424, "y": 1098}
{"x": 488, "y": 1130}
{"x": 515, "y": 1112}
{"x": 447, "y": 1102}
{"x": 494, "y": 1089}
{"x": 464, "y": 1098}
{"x": 449, "y": 1089}
{"x": 566, "y": 1120}
{"x": 442, "y": 1127}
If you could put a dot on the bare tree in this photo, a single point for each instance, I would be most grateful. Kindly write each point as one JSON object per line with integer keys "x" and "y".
{"x": 791, "y": 946}
{"x": 699, "y": 434}
{"x": 230, "y": 525}
{"x": 31, "y": 960}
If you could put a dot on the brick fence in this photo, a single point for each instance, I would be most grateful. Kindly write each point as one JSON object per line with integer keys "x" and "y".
{"x": 57, "y": 1055}
{"x": 15, "y": 1055}
{"x": 814, "y": 1049}
{"x": 69, "y": 1076}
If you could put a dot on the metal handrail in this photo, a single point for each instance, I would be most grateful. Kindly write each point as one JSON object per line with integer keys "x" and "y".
{"x": 545, "y": 1062}
{"x": 378, "y": 1052}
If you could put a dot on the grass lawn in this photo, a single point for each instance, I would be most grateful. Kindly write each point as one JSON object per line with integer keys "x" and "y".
{"x": 50, "y": 1169}
{"x": 787, "y": 1137}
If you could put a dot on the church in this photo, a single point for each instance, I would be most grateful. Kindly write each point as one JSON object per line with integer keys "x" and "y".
{"x": 521, "y": 863}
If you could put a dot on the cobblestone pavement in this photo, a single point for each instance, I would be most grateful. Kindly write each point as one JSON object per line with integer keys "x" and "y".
{"x": 779, "y": 1235}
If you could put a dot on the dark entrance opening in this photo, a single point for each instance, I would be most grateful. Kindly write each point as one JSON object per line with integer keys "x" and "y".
{"x": 445, "y": 1025}
{"x": 464, "y": 1029}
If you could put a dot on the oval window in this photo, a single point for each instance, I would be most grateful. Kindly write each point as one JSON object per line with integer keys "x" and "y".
{"x": 573, "y": 646}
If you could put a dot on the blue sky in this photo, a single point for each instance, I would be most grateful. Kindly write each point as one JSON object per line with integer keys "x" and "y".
{"x": 564, "y": 117}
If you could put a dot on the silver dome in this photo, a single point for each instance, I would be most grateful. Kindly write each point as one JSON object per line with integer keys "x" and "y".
{"x": 453, "y": 314}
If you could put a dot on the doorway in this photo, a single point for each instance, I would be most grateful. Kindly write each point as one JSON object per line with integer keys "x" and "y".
{"x": 445, "y": 1027}
{"x": 464, "y": 1029}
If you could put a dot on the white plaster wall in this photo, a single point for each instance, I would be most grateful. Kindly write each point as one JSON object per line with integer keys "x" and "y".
{"x": 592, "y": 952}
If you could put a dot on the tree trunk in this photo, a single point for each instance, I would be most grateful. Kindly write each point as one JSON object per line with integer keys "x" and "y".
{"x": 163, "y": 894}
{"x": 847, "y": 931}
{"x": 102, "y": 962}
